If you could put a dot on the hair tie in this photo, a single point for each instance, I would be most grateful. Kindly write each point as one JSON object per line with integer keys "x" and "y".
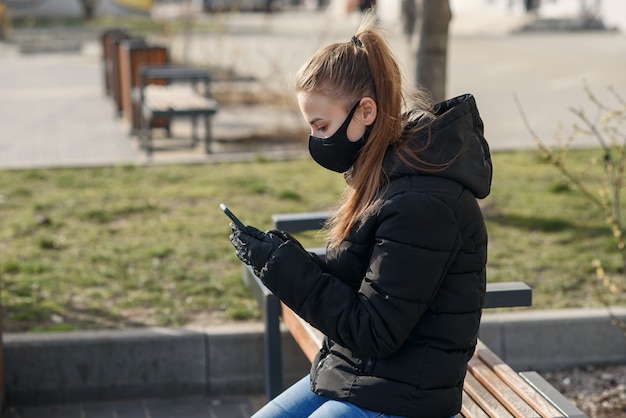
{"x": 356, "y": 41}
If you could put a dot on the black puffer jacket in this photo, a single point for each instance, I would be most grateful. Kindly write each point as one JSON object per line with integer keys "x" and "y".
{"x": 400, "y": 299}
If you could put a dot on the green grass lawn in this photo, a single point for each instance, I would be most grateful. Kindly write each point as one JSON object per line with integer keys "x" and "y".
{"x": 134, "y": 246}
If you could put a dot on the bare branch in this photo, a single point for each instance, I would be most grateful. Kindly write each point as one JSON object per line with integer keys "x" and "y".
{"x": 607, "y": 131}
{"x": 558, "y": 161}
{"x": 617, "y": 96}
{"x": 592, "y": 128}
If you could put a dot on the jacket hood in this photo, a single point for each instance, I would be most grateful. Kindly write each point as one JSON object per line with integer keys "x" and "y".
{"x": 450, "y": 144}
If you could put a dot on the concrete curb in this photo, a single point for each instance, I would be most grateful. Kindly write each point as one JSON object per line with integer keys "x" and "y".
{"x": 43, "y": 368}
{"x": 545, "y": 340}
{"x": 100, "y": 365}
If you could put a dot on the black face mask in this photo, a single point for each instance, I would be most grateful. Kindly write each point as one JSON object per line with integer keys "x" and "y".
{"x": 337, "y": 152}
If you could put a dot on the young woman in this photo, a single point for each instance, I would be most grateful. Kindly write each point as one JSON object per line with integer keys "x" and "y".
{"x": 400, "y": 291}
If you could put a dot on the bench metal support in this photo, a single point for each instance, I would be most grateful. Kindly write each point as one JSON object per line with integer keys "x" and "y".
{"x": 508, "y": 295}
{"x": 297, "y": 222}
{"x": 270, "y": 306}
{"x": 548, "y": 391}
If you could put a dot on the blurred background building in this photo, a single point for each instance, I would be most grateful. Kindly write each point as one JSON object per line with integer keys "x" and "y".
{"x": 610, "y": 13}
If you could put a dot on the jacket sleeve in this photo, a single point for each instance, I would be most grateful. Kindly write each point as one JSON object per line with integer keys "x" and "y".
{"x": 416, "y": 239}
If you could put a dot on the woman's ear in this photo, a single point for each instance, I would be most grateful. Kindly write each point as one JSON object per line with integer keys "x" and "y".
{"x": 368, "y": 110}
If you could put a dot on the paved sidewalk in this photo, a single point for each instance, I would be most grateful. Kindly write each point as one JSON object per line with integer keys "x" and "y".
{"x": 54, "y": 113}
{"x": 53, "y": 110}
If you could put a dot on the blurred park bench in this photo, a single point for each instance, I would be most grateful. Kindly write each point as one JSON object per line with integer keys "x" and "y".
{"x": 148, "y": 90}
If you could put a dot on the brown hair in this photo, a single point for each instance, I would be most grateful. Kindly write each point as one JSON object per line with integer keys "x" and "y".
{"x": 347, "y": 71}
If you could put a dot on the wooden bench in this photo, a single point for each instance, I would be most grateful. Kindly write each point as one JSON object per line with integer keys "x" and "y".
{"x": 134, "y": 53}
{"x": 110, "y": 58}
{"x": 185, "y": 94}
{"x": 111, "y": 40}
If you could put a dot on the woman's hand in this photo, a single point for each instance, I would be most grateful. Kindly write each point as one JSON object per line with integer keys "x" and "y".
{"x": 254, "y": 248}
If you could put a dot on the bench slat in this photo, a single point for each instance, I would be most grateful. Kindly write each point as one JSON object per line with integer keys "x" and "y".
{"x": 500, "y": 390}
{"x": 508, "y": 294}
{"x": 470, "y": 409}
{"x": 308, "y": 338}
{"x": 176, "y": 98}
{"x": 484, "y": 399}
{"x": 298, "y": 222}
{"x": 511, "y": 378}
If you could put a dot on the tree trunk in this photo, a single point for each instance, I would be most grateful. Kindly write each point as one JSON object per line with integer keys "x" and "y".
{"x": 89, "y": 9}
{"x": 409, "y": 17}
{"x": 3, "y": 19}
{"x": 432, "y": 53}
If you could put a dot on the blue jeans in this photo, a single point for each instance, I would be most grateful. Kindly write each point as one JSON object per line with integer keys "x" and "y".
{"x": 298, "y": 401}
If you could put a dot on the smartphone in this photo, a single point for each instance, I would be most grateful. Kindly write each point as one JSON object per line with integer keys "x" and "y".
{"x": 233, "y": 218}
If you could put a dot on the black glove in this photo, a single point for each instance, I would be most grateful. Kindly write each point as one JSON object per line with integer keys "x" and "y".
{"x": 287, "y": 237}
{"x": 254, "y": 248}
